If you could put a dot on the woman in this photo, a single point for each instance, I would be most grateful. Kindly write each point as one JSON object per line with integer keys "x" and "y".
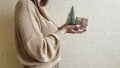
{"x": 37, "y": 37}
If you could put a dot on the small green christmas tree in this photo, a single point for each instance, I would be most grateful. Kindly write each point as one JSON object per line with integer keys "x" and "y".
{"x": 71, "y": 17}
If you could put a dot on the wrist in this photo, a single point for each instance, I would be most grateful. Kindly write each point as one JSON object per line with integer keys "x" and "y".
{"x": 63, "y": 30}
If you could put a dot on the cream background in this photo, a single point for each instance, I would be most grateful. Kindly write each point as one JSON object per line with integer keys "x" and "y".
{"x": 99, "y": 47}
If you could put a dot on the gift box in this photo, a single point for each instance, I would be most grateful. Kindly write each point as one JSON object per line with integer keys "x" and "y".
{"x": 81, "y": 21}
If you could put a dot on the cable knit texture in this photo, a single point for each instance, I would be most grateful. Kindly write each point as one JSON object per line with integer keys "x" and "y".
{"x": 37, "y": 37}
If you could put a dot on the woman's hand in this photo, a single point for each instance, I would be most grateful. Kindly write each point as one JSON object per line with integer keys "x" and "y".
{"x": 71, "y": 29}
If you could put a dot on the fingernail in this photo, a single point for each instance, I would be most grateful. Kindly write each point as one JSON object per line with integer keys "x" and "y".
{"x": 78, "y": 26}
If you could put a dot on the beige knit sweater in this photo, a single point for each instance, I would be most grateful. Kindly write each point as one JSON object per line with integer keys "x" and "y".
{"x": 38, "y": 38}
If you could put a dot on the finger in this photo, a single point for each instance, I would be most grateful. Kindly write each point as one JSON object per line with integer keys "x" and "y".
{"x": 74, "y": 31}
{"x": 75, "y": 26}
{"x": 71, "y": 26}
{"x": 78, "y": 26}
{"x": 80, "y": 32}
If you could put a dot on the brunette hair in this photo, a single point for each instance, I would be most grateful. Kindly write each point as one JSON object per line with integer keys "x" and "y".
{"x": 42, "y": 2}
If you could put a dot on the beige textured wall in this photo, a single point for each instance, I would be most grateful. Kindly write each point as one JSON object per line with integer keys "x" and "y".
{"x": 99, "y": 47}
{"x": 7, "y": 44}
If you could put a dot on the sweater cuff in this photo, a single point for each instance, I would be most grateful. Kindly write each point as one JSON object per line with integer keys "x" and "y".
{"x": 58, "y": 34}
